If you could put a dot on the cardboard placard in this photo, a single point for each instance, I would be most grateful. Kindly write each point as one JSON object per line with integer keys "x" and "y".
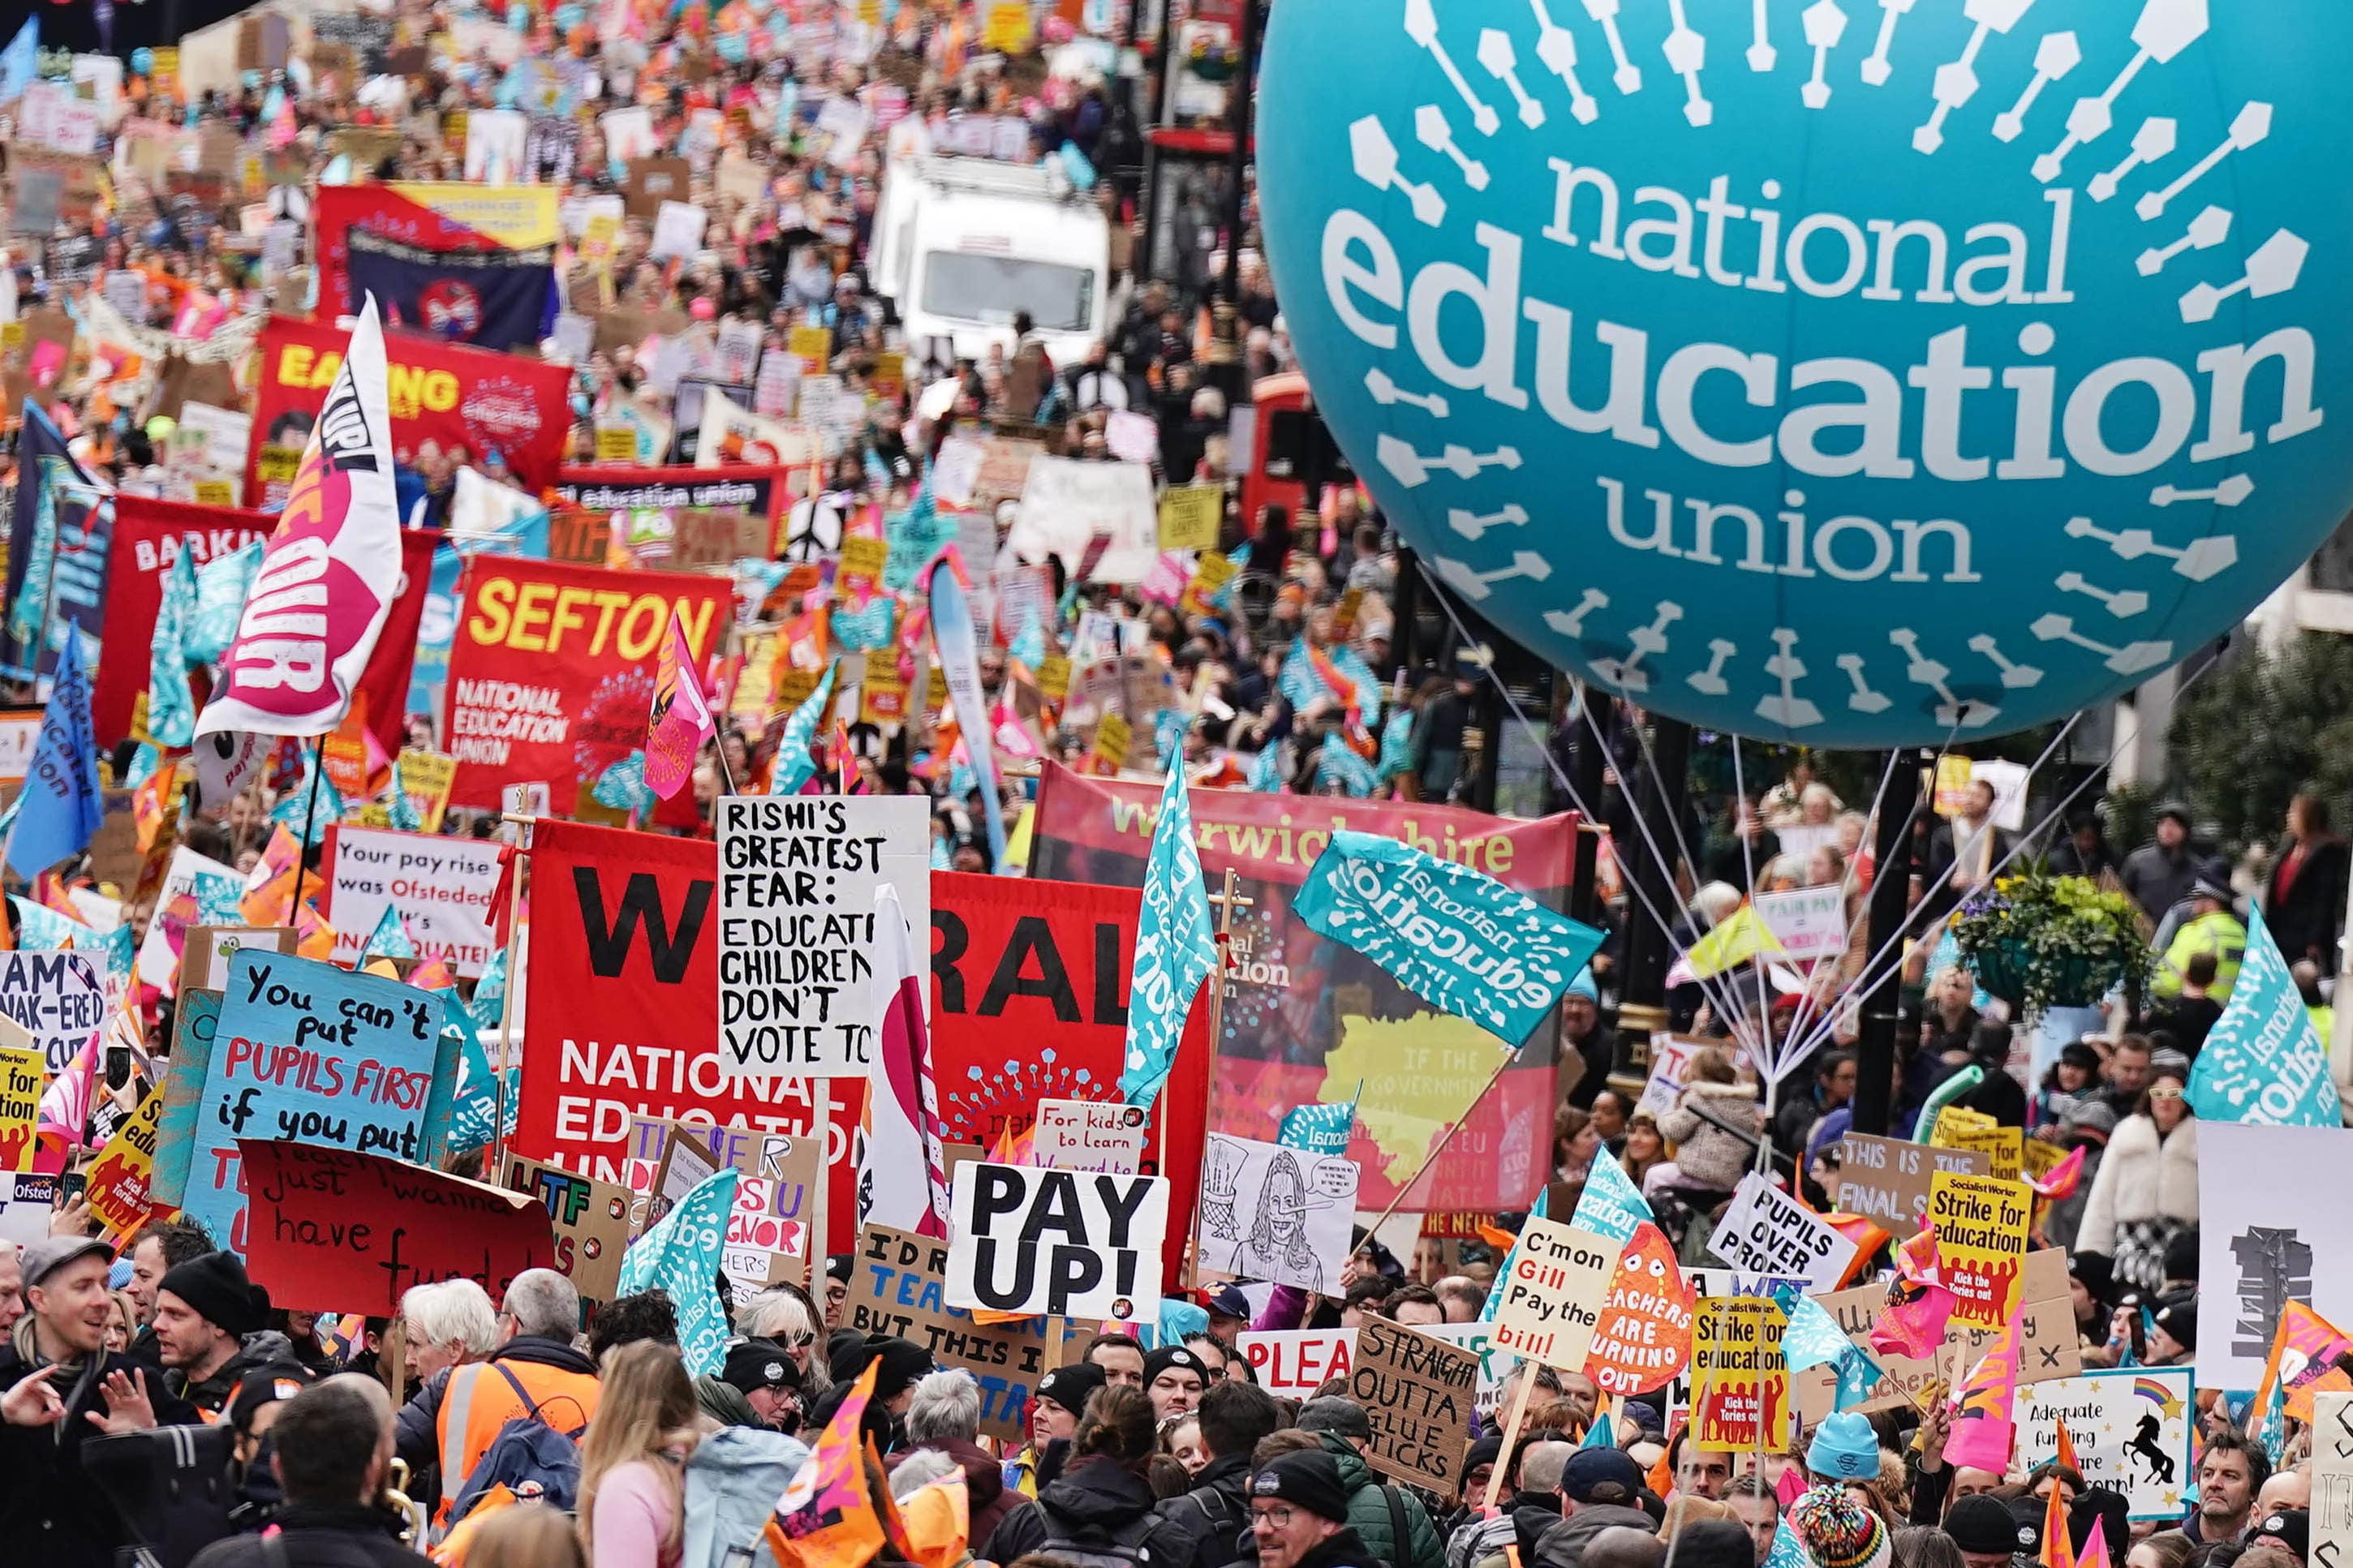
{"x": 896, "y": 1287}
{"x": 796, "y": 926}
{"x": 589, "y": 1219}
{"x": 1553, "y": 1295}
{"x": 653, "y": 180}
{"x": 1886, "y": 1179}
{"x": 205, "y": 956}
{"x": 2047, "y": 1344}
{"x": 1055, "y": 1242}
{"x": 348, "y": 1232}
{"x": 1419, "y": 1393}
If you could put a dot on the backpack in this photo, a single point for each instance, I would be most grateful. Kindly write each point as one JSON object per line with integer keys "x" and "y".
{"x": 529, "y": 1461}
{"x": 1090, "y": 1546}
{"x": 172, "y": 1484}
{"x": 733, "y": 1480}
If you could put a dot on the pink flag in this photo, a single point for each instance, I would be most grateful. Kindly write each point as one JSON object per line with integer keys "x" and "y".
{"x": 2095, "y": 1546}
{"x": 1982, "y": 1427}
{"x": 680, "y": 720}
{"x": 328, "y": 573}
{"x": 905, "y": 1183}
{"x": 65, "y": 1104}
{"x": 1913, "y": 1322}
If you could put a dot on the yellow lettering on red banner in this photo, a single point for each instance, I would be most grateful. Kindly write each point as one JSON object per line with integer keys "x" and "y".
{"x": 543, "y": 618}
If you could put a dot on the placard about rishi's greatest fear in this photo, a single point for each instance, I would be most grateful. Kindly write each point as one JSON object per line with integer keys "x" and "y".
{"x": 796, "y": 926}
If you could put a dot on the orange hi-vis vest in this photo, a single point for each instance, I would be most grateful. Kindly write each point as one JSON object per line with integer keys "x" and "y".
{"x": 483, "y": 1397}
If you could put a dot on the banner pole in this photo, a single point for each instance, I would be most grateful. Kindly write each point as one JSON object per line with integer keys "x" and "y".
{"x": 1227, "y": 901}
{"x": 506, "y": 1004}
{"x": 1511, "y": 1434}
{"x": 309, "y": 816}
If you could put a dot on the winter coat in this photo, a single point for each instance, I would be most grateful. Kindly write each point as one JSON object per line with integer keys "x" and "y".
{"x": 984, "y": 1480}
{"x": 2158, "y": 878}
{"x": 1708, "y": 1157}
{"x": 317, "y": 1536}
{"x": 2303, "y": 920}
{"x": 1480, "y": 1542}
{"x": 51, "y": 1511}
{"x": 1369, "y": 1515}
{"x": 1345, "y": 1550}
{"x": 1095, "y": 1492}
{"x": 2141, "y": 1178}
{"x": 1208, "y": 1526}
{"x": 266, "y": 1347}
{"x": 1564, "y": 1544}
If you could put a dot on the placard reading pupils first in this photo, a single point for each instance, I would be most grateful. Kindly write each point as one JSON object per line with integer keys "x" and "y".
{"x": 797, "y": 936}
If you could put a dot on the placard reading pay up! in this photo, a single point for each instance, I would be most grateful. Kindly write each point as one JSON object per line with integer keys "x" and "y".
{"x": 797, "y": 927}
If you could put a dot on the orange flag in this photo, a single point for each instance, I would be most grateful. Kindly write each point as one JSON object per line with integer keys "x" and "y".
{"x": 2067, "y": 1450}
{"x": 827, "y": 1518}
{"x": 2056, "y": 1551}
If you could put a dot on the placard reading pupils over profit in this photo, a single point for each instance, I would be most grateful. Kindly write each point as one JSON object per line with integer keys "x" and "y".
{"x": 796, "y": 938}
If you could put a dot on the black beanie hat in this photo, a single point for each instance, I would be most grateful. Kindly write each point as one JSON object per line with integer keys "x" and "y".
{"x": 1310, "y": 1480}
{"x": 1071, "y": 1386}
{"x": 216, "y": 1289}
{"x": 902, "y": 1362}
{"x": 1983, "y": 1524}
{"x": 759, "y": 1363}
{"x": 1156, "y": 1361}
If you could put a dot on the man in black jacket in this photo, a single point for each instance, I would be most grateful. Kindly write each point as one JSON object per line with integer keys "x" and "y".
{"x": 1210, "y": 1524}
{"x": 59, "y": 1386}
{"x": 1299, "y": 1515}
{"x": 334, "y": 1450}
{"x": 209, "y": 1329}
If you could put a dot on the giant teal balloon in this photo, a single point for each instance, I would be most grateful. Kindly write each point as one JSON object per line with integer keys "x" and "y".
{"x": 1863, "y": 372}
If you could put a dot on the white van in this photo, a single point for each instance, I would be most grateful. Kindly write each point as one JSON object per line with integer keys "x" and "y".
{"x": 961, "y": 244}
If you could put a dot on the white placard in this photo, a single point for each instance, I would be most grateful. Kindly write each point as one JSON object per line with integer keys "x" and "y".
{"x": 1084, "y": 1135}
{"x": 2130, "y": 1428}
{"x": 738, "y": 354}
{"x": 1809, "y": 923}
{"x": 957, "y": 470}
{"x": 797, "y": 935}
{"x": 1670, "y": 1059}
{"x": 444, "y": 888}
{"x": 1056, "y": 1243}
{"x": 1276, "y": 1214}
{"x": 678, "y": 230}
{"x": 1132, "y": 437}
{"x": 2262, "y": 1241}
{"x": 495, "y": 144}
{"x": 1479, "y": 1338}
{"x": 1292, "y": 1363}
{"x": 1065, "y": 503}
{"x": 1767, "y": 1231}
{"x": 26, "y": 1206}
{"x": 2332, "y": 1477}
{"x": 630, "y": 133}
{"x": 19, "y": 738}
{"x": 223, "y": 433}
{"x": 58, "y": 996}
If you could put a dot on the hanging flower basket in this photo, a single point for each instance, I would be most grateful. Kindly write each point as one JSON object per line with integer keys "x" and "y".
{"x": 2039, "y": 942}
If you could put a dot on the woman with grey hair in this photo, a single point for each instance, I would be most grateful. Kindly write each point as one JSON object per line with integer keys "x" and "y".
{"x": 785, "y": 1314}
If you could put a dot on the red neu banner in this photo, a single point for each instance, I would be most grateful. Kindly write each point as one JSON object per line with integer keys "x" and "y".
{"x": 1029, "y": 990}
{"x": 551, "y": 676}
{"x": 149, "y": 536}
{"x": 622, "y": 1000}
{"x": 1306, "y": 1018}
{"x": 622, "y": 1003}
{"x": 463, "y": 401}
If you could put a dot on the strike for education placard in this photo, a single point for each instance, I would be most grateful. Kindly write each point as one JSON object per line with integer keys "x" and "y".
{"x": 797, "y": 934}
{"x": 1740, "y": 1386}
{"x": 1062, "y": 1243}
{"x": 1980, "y": 1223}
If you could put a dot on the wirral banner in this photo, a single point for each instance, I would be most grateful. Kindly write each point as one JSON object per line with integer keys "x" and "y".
{"x": 496, "y": 300}
{"x": 553, "y": 671}
{"x": 462, "y": 401}
{"x": 149, "y": 536}
{"x": 763, "y": 491}
{"x": 1306, "y": 1017}
{"x": 330, "y": 573}
{"x": 431, "y": 216}
{"x": 1458, "y": 940}
{"x": 623, "y": 998}
{"x": 1016, "y": 962}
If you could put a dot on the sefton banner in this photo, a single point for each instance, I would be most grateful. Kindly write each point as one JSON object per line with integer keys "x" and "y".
{"x": 463, "y": 401}
{"x": 623, "y": 998}
{"x": 444, "y": 216}
{"x": 552, "y": 672}
{"x": 149, "y": 537}
{"x": 330, "y": 573}
{"x": 1307, "y": 1017}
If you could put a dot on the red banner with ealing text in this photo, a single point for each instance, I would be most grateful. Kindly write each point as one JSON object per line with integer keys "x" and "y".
{"x": 1306, "y": 1018}
{"x": 465, "y": 402}
{"x": 149, "y": 536}
{"x": 550, "y": 675}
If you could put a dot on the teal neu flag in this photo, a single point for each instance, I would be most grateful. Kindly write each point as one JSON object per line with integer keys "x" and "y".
{"x": 1457, "y": 937}
{"x": 2262, "y": 1060}
{"x": 1321, "y": 1129}
{"x": 171, "y": 706}
{"x": 681, "y": 1254}
{"x": 61, "y": 807}
{"x": 1175, "y": 947}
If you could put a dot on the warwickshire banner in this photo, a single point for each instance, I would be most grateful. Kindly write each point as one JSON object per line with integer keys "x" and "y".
{"x": 463, "y": 401}
{"x": 622, "y": 991}
{"x": 551, "y": 673}
{"x": 1306, "y": 1017}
